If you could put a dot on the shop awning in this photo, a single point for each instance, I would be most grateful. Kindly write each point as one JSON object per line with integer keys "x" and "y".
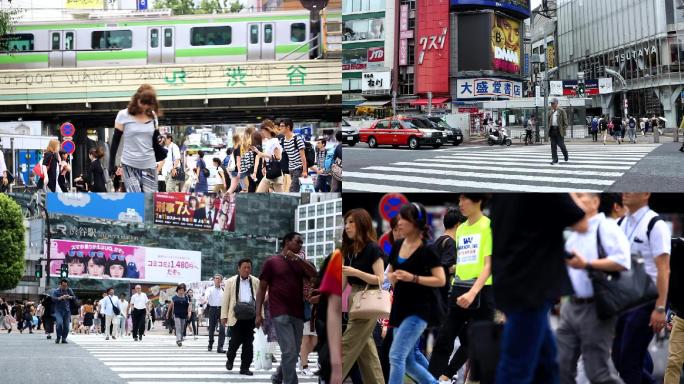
{"x": 351, "y": 103}
{"x": 374, "y": 104}
{"x": 435, "y": 100}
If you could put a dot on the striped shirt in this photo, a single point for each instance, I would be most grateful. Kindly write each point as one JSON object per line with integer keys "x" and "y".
{"x": 294, "y": 159}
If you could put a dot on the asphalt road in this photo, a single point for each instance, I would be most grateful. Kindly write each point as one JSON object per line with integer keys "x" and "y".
{"x": 591, "y": 167}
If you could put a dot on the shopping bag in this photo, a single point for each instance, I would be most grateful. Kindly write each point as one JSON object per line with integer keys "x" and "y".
{"x": 260, "y": 350}
{"x": 306, "y": 185}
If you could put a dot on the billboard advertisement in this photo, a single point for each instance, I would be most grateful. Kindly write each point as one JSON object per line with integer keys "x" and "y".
{"x": 195, "y": 211}
{"x": 506, "y": 44}
{"x": 432, "y": 47}
{"x": 592, "y": 87}
{"x": 116, "y": 261}
{"x": 520, "y": 7}
{"x": 112, "y": 206}
{"x": 488, "y": 88}
{"x": 375, "y": 81}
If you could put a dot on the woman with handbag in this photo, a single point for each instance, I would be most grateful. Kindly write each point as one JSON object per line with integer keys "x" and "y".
{"x": 415, "y": 272}
{"x": 50, "y": 167}
{"x": 255, "y": 165}
{"x": 137, "y": 124}
{"x": 363, "y": 269}
{"x": 271, "y": 156}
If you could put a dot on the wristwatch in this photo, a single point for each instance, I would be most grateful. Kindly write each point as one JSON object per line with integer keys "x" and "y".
{"x": 660, "y": 309}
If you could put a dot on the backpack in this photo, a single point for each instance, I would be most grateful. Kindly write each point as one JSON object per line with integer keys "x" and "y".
{"x": 309, "y": 153}
{"x": 594, "y": 125}
{"x": 632, "y": 123}
{"x": 649, "y": 227}
{"x": 284, "y": 160}
{"x": 329, "y": 159}
{"x": 231, "y": 162}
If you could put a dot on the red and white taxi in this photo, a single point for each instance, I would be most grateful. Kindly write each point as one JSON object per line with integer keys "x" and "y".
{"x": 399, "y": 131}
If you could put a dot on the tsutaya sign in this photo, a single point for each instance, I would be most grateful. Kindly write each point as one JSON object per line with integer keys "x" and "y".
{"x": 636, "y": 54}
{"x": 432, "y": 42}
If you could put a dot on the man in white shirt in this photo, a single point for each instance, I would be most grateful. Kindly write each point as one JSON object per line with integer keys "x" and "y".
{"x": 171, "y": 164}
{"x": 213, "y": 297}
{"x": 240, "y": 289}
{"x": 108, "y": 303}
{"x": 123, "y": 316}
{"x": 580, "y": 331}
{"x": 650, "y": 238}
{"x": 138, "y": 309}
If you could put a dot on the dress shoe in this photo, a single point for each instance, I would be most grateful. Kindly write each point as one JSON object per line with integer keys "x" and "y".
{"x": 246, "y": 372}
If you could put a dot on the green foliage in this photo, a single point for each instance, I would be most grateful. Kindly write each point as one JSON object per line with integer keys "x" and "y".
{"x": 12, "y": 240}
{"x": 235, "y": 6}
{"x": 8, "y": 18}
{"x": 179, "y": 7}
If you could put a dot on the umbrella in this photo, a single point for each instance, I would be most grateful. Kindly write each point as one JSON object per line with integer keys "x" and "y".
{"x": 662, "y": 119}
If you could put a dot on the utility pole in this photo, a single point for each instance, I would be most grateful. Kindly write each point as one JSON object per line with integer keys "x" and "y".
{"x": 41, "y": 205}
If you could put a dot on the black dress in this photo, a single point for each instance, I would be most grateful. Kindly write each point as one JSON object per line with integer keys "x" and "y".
{"x": 51, "y": 161}
{"x": 96, "y": 180}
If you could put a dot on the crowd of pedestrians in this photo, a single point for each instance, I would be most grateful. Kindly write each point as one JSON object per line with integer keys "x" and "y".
{"x": 504, "y": 274}
{"x": 271, "y": 158}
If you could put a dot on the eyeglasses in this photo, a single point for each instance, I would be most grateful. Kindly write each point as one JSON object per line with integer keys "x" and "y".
{"x": 98, "y": 254}
{"x": 73, "y": 253}
{"x": 117, "y": 256}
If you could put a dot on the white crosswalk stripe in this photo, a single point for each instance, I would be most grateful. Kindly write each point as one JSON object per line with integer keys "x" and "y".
{"x": 523, "y": 169}
{"x": 157, "y": 359}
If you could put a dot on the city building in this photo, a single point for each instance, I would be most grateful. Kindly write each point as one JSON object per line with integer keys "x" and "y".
{"x": 436, "y": 54}
{"x": 641, "y": 40}
{"x": 320, "y": 223}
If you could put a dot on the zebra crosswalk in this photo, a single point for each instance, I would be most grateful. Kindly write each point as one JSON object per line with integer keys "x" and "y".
{"x": 158, "y": 360}
{"x": 591, "y": 167}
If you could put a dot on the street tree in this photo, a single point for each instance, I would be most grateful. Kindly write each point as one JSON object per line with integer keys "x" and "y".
{"x": 8, "y": 19}
{"x": 179, "y": 7}
{"x": 12, "y": 240}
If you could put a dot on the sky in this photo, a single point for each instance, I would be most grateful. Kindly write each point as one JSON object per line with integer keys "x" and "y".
{"x": 535, "y": 3}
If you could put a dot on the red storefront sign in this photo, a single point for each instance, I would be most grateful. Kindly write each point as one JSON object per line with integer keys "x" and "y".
{"x": 432, "y": 47}
{"x": 353, "y": 67}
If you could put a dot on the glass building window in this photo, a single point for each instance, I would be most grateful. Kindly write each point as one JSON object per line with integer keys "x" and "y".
{"x": 56, "y": 40}
{"x": 268, "y": 33}
{"x": 154, "y": 38}
{"x": 222, "y": 35}
{"x": 365, "y": 29}
{"x": 168, "y": 37}
{"x": 253, "y": 34}
{"x": 111, "y": 39}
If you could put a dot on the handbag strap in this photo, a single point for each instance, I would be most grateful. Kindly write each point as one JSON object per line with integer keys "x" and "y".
{"x": 599, "y": 247}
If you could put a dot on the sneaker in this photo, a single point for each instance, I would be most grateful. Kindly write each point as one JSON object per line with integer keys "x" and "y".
{"x": 229, "y": 365}
{"x": 179, "y": 343}
{"x": 57, "y": 341}
{"x": 107, "y": 338}
{"x": 135, "y": 339}
{"x": 113, "y": 337}
{"x": 306, "y": 371}
{"x": 64, "y": 341}
{"x": 246, "y": 372}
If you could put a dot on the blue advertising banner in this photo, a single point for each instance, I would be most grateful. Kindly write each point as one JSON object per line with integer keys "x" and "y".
{"x": 522, "y": 7}
{"x": 112, "y": 206}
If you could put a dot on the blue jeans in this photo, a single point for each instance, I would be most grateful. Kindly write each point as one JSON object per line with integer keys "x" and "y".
{"x": 63, "y": 321}
{"x": 289, "y": 330}
{"x": 528, "y": 348}
{"x": 323, "y": 183}
{"x": 403, "y": 353}
{"x": 630, "y": 345}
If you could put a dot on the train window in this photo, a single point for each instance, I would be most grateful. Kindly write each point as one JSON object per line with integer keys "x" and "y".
{"x": 55, "y": 41}
{"x": 69, "y": 41}
{"x": 211, "y": 35}
{"x": 298, "y": 32}
{"x": 254, "y": 34}
{"x": 112, "y": 39}
{"x": 17, "y": 42}
{"x": 168, "y": 37}
{"x": 154, "y": 38}
{"x": 268, "y": 33}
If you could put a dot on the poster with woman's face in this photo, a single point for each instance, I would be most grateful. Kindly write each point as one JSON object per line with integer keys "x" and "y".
{"x": 505, "y": 41}
{"x": 96, "y": 260}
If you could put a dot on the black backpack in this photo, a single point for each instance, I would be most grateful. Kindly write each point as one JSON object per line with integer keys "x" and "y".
{"x": 310, "y": 154}
{"x": 284, "y": 160}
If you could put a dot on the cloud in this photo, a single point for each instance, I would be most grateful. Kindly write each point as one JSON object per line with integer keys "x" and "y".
{"x": 112, "y": 196}
{"x": 131, "y": 215}
{"x": 74, "y": 199}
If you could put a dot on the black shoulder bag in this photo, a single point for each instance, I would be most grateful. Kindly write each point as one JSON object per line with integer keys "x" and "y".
{"x": 619, "y": 292}
{"x": 244, "y": 311}
{"x": 159, "y": 151}
{"x": 116, "y": 309}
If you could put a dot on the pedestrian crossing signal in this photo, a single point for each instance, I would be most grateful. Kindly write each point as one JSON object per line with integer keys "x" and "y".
{"x": 64, "y": 271}
{"x": 39, "y": 271}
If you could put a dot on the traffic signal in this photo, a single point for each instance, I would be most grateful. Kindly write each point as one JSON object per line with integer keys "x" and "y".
{"x": 39, "y": 271}
{"x": 64, "y": 271}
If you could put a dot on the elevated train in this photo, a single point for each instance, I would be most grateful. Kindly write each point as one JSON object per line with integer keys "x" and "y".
{"x": 192, "y": 39}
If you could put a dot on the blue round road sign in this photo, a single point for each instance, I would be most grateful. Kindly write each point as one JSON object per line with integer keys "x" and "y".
{"x": 68, "y": 146}
{"x": 67, "y": 129}
{"x": 390, "y": 204}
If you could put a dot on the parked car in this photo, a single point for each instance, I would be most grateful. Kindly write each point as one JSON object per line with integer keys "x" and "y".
{"x": 398, "y": 131}
{"x": 454, "y": 135}
{"x": 350, "y": 133}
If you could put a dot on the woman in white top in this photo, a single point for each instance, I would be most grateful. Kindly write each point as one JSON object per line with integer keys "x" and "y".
{"x": 137, "y": 124}
{"x": 271, "y": 154}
